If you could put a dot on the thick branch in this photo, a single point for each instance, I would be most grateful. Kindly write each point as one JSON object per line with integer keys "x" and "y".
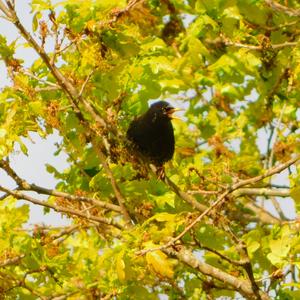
{"x": 5, "y": 10}
{"x": 261, "y": 192}
{"x": 11, "y": 261}
{"x": 242, "y": 286}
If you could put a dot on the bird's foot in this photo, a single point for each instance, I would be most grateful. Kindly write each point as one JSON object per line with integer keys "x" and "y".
{"x": 160, "y": 172}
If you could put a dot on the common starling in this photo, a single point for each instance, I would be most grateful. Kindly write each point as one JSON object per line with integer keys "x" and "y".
{"x": 152, "y": 133}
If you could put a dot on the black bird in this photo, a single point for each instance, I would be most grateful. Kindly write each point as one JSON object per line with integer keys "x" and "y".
{"x": 152, "y": 133}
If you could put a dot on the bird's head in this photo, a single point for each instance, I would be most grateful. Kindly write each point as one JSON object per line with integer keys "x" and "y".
{"x": 162, "y": 110}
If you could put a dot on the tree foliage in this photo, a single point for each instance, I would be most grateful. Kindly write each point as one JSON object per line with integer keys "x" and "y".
{"x": 202, "y": 231}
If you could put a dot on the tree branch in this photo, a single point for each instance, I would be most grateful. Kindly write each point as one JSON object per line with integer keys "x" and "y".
{"x": 260, "y": 214}
{"x": 49, "y": 83}
{"x": 23, "y": 184}
{"x": 6, "y": 11}
{"x": 11, "y": 261}
{"x": 228, "y": 43}
{"x": 117, "y": 191}
{"x": 263, "y": 216}
{"x": 75, "y": 98}
{"x": 221, "y": 199}
{"x": 261, "y": 192}
{"x": 242, "y": 286}
{"x": 20, "y": 195}
{"x": 284, "y": 9}
{"x": 119, "y": 13}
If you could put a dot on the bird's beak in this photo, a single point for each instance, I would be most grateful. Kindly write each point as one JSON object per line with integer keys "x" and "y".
{"x": 172, "y": 111}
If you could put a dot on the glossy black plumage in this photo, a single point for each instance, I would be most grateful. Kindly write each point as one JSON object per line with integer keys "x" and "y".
{"x": 152, "y": 133}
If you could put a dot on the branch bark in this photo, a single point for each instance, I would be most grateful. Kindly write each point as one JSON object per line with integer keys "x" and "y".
{"x": 74, "y": 96}
{"x": 261, "y": 215}
{"x": 283, "y": 9}
{"x": 11, "y": 261}
{"x": 250, "y": 47}
{"x": 20, "y": 195}
{"x": 261, "y": 192}
{"x": 242, "y": 286}
{"x": 221, "y": 199}
{"x": 23, "y": 184}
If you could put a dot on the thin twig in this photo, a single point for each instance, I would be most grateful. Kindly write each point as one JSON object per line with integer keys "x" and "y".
{"x": 228, "y": 43}
{"x": 23, "y": 184}
{"x": 20, "y": 195}
{"x": 85, "y": 82}
{"x": 75, "y": 99}
{"x": 220, "y": 200}
{"x": 49, "y": 83}
{"x": 284, "y": 9}
{"x": 117, "y": 191}
{"x": 276, "y": 129}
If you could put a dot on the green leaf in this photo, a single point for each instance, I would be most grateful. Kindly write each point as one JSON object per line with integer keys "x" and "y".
{"x": 232, "y": 12}
{"x": 279, "y": 250}
{"x": 36, "y": 107}
{"x": 295, "y": 194}
{"x": 159, "y": 263}
{"x": 35, "y": 20}
{"x": 120, "y": 266}
{"x": 3, "y": 133}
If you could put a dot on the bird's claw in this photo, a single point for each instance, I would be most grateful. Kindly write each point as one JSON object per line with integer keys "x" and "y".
{"x": 160, "y": 172}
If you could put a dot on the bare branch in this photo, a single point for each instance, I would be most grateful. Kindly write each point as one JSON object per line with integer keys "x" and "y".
{"x": 284, "y": 9}
{"x": 85, "y": 82}
{"x": 241, "y": 285}
{"x": 49, "y": 83}
{"x": 6, "y": 11}
{"x": 56, "y": 193}
{"x": 23, "y": 184}
{"x": 261, "y": 192}
{"x": 260, "y": 214}
{"x": 11, "y": 261}
{"x": 117, "y": 191}
{"x": 76, "y": 98}
{"x": 229, "y": 43}
{"x": 20, "y": 195}
{"x": 249, "y": 191}
{"x": 221, "y": 199}
{"x": 263, "y": 216}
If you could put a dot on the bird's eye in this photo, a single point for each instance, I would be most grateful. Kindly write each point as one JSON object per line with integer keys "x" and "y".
{"x": 166, "y": 110}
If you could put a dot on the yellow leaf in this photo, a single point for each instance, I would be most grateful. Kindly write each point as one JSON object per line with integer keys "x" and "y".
{"x": 120, "y": 265}
{"x": 295, "y": 193}
{"x": 159, "y": 263}
{"x": 91, "y": 25}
